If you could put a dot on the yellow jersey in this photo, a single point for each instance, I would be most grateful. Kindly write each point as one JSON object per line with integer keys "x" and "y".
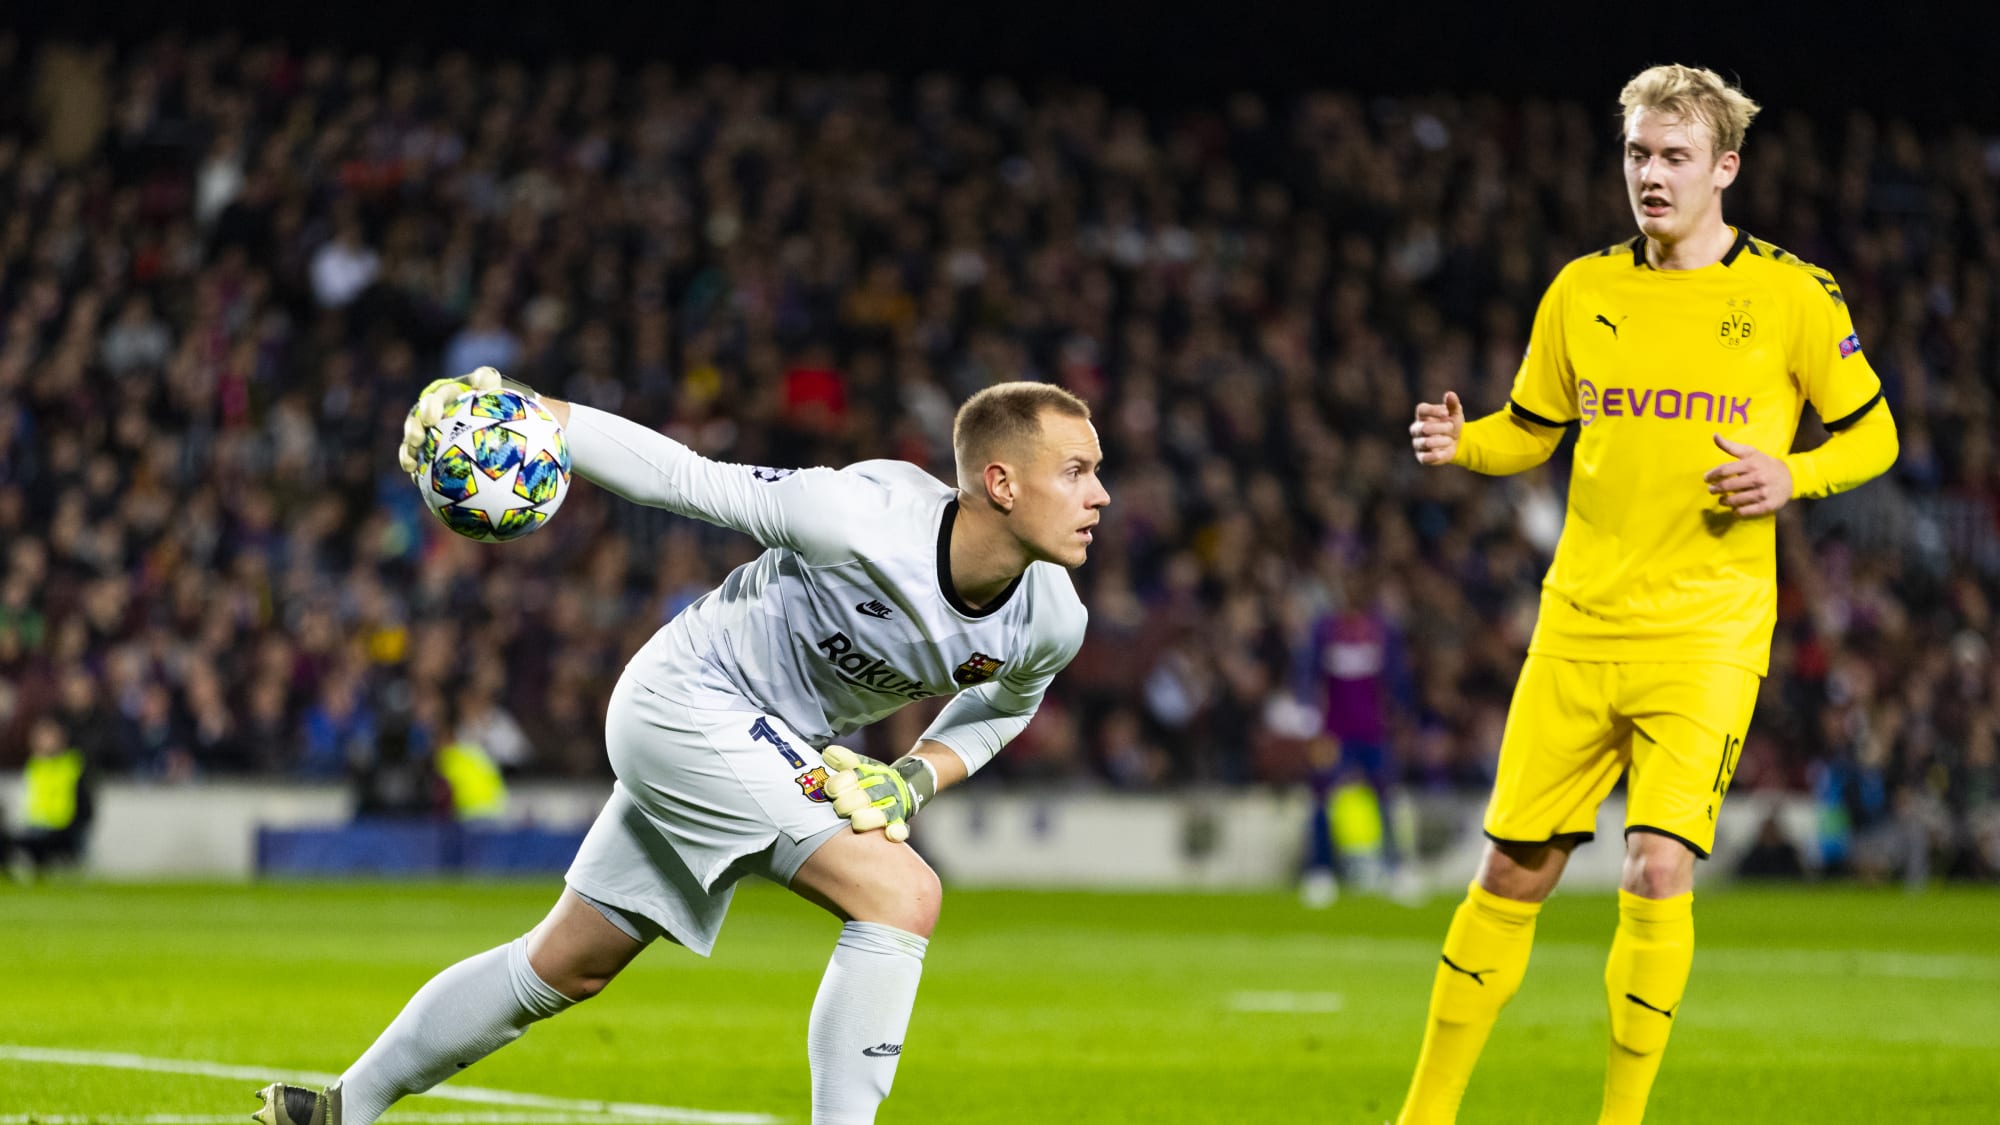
{"x": 1653, "y": 363}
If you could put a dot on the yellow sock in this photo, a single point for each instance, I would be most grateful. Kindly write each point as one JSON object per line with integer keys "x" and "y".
{"x": 1485, "y": 957}
{"x": 1644, "y": 981}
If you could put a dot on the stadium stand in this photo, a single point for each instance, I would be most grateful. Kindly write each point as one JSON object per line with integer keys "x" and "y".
{"x": 228, "y": 266}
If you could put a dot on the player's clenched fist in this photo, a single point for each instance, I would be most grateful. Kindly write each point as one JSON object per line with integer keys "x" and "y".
{"x": 433, "y": 404}
{"x": 871, "y": 795}
{"x": 1434, "y": 435}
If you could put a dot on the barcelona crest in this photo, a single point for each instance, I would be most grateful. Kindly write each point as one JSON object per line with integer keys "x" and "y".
{"x": 813, "y": 784}
{"x": 977, "y": 669}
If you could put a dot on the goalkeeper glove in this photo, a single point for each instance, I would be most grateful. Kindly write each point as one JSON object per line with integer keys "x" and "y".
{"x": 437, "y": 400}
{"x": 432, "y": 405}
{"x": 871, "y": 795}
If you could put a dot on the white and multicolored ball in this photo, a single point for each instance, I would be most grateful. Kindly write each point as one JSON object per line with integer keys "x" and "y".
{"x": 496, "y": 467}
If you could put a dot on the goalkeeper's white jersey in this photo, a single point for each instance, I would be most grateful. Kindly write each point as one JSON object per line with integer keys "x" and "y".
{"x": 850, "y": 613}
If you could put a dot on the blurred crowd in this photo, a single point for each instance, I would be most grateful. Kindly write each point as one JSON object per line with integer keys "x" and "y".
{"x": 226, "y": 267}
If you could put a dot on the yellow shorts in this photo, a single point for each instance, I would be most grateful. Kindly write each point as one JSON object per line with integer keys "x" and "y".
{"x": 1574, "y": 727}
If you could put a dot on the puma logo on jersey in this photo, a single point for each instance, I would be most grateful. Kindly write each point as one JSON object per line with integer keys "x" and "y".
{"x": 871, "y": 672}
{"x": 1613, "y": 327}
{"x": 874, "y": 608}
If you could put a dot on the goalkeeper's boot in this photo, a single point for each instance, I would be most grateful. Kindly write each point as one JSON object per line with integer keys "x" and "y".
{"x": 298, "y": 1105}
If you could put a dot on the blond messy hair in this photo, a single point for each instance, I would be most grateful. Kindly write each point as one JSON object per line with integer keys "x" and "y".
{"x": 1692, "y": 93}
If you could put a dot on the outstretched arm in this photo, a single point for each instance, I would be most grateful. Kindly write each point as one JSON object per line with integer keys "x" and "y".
{"x": 810, "y": 510}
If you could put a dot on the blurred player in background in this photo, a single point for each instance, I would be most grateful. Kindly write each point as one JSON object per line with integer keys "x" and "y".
{"x": 1692, "y": 343}
{"x": 879, "y": 586}
{"x": 58, "y": 801}
{"x": 1360, "y": 821}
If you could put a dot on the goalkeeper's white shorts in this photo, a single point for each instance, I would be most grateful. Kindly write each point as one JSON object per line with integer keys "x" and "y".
{"x": 704, "y": 797}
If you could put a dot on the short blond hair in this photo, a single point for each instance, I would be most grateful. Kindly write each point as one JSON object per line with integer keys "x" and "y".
{"x": 1001, "y": 419}
{"x": 1692, "y": 93}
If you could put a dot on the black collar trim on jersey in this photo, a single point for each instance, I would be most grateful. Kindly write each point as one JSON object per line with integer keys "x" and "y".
{"x": 945, "y": 585}
{"x": 1741, "y": 244}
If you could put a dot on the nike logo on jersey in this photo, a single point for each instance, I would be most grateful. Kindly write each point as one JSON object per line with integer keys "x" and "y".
{"x": 1663, "y": 1011}
{"x": 883, "y": 1050}
{"x": 873, "y": 608}
{"x": 1456, "y": 968}
{"x": 871, "y": 672}
{"x": 1613, "y": 327}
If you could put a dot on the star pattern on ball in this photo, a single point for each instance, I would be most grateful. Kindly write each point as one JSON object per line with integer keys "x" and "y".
{"x": 495, "y": 500}
{"x": 497, "y": 467}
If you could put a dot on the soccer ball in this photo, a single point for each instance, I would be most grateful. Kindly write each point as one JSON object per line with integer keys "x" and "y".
{"x": 496, "y": 467}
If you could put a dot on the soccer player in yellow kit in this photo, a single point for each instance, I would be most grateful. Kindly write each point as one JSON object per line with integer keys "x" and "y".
{"x": 1687, "y": 355}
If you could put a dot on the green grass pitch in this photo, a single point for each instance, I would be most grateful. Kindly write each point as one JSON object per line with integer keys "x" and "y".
{"x": 1819, "y": 1005}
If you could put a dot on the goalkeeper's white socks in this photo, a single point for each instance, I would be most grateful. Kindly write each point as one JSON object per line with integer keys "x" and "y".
{"x": 462, "y": 1015}
{"x": 485, "y": 1002}
{"x": 859, "y": 1018}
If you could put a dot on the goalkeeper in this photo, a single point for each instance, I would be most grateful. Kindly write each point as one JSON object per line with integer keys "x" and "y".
{"x": 879, "y": 586}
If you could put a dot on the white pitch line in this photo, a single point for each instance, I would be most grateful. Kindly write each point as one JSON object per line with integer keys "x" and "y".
{"x": 118, "y": 1060}
{"x": 1285, "y": 1001}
